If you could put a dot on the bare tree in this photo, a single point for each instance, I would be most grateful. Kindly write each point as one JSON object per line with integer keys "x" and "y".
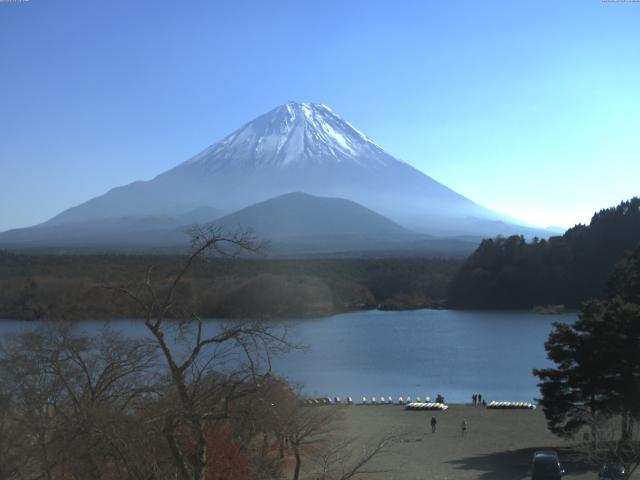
{"x": 308, "y": 429}
{"x": 313, "y": 435}
{"x": 74, "y": 400}
{"x": 11, "y": 445}
{"x": 209, "y": 366}
{"x": 613, "y": 440}
{"x": 193, "y": 400}
{"x": 347, "y": 458}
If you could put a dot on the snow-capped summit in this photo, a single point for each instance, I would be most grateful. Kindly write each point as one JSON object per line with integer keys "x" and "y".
{"x": 297, "y": 147}
{"x": 293, "y": 133}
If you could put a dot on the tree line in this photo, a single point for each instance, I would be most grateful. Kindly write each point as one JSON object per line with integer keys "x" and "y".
{"x": 72, "y": 286}
{"x": 594, "y": 387}
{"x": 563, "y": 270}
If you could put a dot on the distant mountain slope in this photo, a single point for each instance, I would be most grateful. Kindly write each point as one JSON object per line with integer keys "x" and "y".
{"x": 301, "y": 147}
{"x": 298, "y": 223}
{"x": 567, "y": 269}
{"x": 136, "y": 232}
{"x": 294, "y": 224}
{"x": 297, "y": 215}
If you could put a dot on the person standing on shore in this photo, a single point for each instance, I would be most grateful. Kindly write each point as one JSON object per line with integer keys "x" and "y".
{"x": 479, "y": 398}
{"x": 464, "y": 426}
{"x": 434, "y": 423}
{"x": 474, "y": 397}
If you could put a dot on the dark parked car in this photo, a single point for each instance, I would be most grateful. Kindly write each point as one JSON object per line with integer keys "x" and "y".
{"x": 611, "y": 471}
{"x": 546, "y": 466}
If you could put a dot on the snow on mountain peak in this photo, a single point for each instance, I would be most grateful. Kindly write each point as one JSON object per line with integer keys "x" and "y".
{"x": 296, "y": 133}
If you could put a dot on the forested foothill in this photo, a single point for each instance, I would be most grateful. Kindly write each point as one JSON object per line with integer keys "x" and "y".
{"x": 74, "y": 287}
{"x": 565, "y": 270}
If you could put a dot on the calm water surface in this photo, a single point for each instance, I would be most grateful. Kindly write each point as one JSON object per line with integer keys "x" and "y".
{"x": 410, "y": 353}
{"x": 423, "y": 352}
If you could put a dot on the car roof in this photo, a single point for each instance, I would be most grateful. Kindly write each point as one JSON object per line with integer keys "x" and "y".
{"x": 614, "y": 467}
{"x": 546, "y": 453}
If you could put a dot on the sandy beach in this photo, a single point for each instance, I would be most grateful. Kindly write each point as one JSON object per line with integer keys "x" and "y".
{"x": 498, "y": 444}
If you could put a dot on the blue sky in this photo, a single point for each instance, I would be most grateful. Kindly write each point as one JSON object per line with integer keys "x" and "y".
{"x": 529, "y": 108}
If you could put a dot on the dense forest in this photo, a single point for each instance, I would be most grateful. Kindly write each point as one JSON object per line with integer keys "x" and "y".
{"x": 81, "y": 286}
{"x": 564, "y": 270}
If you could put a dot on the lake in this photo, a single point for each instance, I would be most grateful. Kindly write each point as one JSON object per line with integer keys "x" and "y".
{"x": 407, "y": 353}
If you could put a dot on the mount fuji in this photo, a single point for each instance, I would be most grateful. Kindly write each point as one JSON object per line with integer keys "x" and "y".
{"x": 296, "y": 147}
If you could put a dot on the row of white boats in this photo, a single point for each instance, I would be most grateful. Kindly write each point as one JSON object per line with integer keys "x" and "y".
{"x": 365, "y": 401}
{"x": 511, "y": 405}
{"x": 426, "y": 406}
{"x": 328, "y": 401}
{"x": 417, "y": 404}
{"x": 390, "y": 401}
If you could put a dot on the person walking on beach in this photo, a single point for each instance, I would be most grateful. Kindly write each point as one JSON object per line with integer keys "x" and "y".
{"x": 474, "y": 397}
{"x": 464, "y": 426}
{"x": 434, "y": 423}
{"x": 479, "y": 398}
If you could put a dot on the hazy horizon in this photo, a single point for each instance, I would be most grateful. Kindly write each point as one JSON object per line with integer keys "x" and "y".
{"x": 530, "y": 110}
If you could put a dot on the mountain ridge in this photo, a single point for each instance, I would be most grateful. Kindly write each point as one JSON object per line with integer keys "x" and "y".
{"x": 295, "y": 225}
{"x": 299, "y": 147}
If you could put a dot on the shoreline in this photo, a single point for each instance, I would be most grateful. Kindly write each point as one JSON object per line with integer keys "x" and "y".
{"x": 309, "y": 315}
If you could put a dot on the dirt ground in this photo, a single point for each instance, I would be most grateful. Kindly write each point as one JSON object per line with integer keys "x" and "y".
{"x": 498, "y": 444}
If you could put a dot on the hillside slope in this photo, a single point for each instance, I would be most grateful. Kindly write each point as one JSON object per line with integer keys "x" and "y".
{"x": 567, "y": 269}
